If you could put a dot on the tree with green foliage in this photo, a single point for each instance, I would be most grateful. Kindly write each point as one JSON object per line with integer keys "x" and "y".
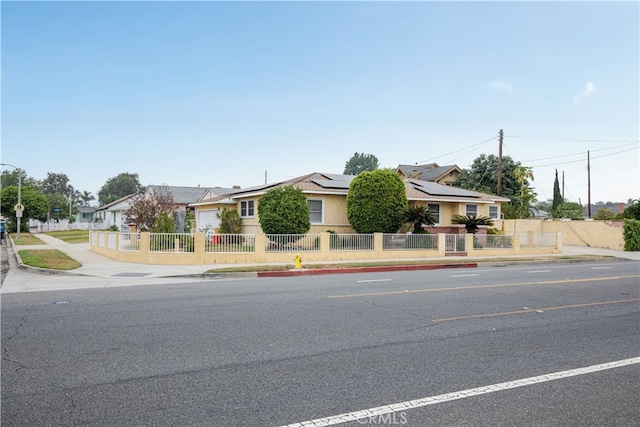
{"x": 119, "y": 186}
{"x": 525, "y": 198}
{"x": 10, "y": 179}
{"x": 284, "y": 210}
{"x": 570, "y": 210}
{"x": 633, "y": 210}
{"x": 56, "y": 183}
{"x": 631, "y": 234}
{"x": 230, "y": 221}
{"x": 417, "y": 216}
{"x": 605, "y": 214}
{"x": 34, "y": 202}
{"x": 472, "y": 223}
{"x": 360, "y": 162}
{"x": 164, "y": 224}
{"x": 483, "y": 176}
{"x": 376, "y": 201}
{"x": 557, "y": 196}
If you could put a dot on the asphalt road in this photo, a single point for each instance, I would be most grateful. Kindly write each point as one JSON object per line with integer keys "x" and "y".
{"x": 271, "y": 352}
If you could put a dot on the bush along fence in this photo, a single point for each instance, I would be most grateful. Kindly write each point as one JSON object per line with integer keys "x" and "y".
{"x": 201, "y": 248}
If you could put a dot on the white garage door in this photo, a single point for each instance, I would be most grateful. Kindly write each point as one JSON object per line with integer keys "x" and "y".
{"x": 207, "y": 220}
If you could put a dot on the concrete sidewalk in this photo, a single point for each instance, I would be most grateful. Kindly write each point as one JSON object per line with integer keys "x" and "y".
{"x": 101, "y": 271}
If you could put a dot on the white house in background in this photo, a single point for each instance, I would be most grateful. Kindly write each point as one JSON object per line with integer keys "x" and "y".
{"x": 113, "y": 213}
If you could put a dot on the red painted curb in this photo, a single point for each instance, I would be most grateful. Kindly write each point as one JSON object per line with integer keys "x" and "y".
{"x": 347, "y": 270}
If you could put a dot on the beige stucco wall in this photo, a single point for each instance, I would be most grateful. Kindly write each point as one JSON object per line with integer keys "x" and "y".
{"x": 597, "y": 234}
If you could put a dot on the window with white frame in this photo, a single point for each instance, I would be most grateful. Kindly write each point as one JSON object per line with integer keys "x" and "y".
{"x": 472, "y": 210}
{"x": 247, "y": 208}
{"x": 315, "y": 211}
{"x": 494, "y": 212}
{"x": 435, "y": 209}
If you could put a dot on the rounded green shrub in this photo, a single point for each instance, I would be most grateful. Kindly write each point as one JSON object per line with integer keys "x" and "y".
{"x": 376, "y": 201}
{"x": 284, "y": 210}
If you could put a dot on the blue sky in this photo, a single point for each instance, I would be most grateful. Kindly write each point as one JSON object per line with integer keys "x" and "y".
{"x": 224, "y": 93}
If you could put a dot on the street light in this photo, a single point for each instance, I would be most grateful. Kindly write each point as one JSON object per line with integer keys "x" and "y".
{"x": 19, "y": 208}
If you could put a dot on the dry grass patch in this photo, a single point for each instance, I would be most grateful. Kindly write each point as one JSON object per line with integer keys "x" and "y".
{"x": 26, "y": 239}
{"x": 48, "y": 258}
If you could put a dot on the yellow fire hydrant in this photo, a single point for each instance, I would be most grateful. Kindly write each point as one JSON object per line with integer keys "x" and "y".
{"x": 298, "y": 261}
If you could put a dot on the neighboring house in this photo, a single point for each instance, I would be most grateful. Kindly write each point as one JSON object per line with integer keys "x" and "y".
{"x": 326, "y": 198}
{"x": 207, "y": 216}
{"x": 85, "y": 214}
{"x": 616, "y": 208}
{"x": 114, "y": 213}
{"x": 445, "y": 175}
{"x": 182, "y": 197}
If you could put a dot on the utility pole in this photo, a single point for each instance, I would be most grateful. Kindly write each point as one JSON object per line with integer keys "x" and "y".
{"x": 562, "y": 186}
{"x": 588, "y": 185}
{"x": 500, "y": 164}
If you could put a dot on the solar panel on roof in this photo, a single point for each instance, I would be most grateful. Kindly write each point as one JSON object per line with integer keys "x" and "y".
{"x": 442, "y": 190}
{"x": 329, "y": 183}
{"x": 337, "y": 177}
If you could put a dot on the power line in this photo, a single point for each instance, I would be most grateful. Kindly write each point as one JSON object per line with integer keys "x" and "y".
{"x": 582, "y": 160}
{"x": 462, "y": 149}
{"x": 580, "y": 153}
{"x": 574, "y": 140}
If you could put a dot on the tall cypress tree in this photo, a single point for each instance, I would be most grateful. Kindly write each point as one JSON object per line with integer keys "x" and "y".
{"x": 557, "y": 195}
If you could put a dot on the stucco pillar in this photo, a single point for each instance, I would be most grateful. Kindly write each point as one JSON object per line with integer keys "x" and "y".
{"x": 145, "y": 245}
{"x": 469, "y": 243}
{"x": 260, "y": 248}
{"x": 442, "y": 244}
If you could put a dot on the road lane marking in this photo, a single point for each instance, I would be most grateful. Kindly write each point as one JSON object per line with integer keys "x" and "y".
{"x": 538, "y": 271}
{"x": 464, "y": 275}
{"x": 533, "y": 310}
{"x": 376, "y": 413}
{"x": 600, "y": 268}
{"x": 466, "y": 288}
{"x": 373, "y": 280}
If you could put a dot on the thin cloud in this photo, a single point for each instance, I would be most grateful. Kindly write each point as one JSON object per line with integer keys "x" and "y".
{"x": 589, "y": 88}
{"x": 498, "y": 85}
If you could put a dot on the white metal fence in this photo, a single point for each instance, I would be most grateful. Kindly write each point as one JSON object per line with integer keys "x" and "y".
{"x": 230, "y": 243}
{"x": 129, "y": 242}
{"x": 350, "y": 242}
{"x": 292, "y": 243}
{"x": 412, "y": 242}
{"x": 171, "y": 242}
{"x": 455, "y": 243}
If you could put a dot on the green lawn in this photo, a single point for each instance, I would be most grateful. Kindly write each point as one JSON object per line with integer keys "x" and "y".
{"x": 71, "y": 236}
{"x": 48, "y": 258}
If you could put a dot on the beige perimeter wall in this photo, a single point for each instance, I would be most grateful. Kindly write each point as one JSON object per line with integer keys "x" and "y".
{"x": 597, "y": 234}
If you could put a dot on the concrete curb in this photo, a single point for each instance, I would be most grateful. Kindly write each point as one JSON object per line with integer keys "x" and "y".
{"x": 347, "y": 270}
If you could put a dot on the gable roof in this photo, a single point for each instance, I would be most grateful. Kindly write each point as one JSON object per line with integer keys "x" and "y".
{"x": 324, "y": 183}
{"x": 428, "y": 172}
{"x": 183, "y": 195}
{"x": 115, "y": 202}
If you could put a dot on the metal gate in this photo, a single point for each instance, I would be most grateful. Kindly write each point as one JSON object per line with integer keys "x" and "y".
{"x": 455, "y": 243}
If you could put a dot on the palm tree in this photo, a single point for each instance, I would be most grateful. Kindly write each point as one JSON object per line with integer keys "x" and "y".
{"x": 86, "y": 197}
{"x": 471, "y": 223}
{"x": 417, "y": 216}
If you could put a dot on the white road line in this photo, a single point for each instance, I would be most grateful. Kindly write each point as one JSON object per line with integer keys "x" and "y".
{"x": 418, "y": 403}
{"x": 464, "y": 275}
{"x": 600, "y": 268}
{"x": 538, "y": 271}
{"x": 373, "y": 280}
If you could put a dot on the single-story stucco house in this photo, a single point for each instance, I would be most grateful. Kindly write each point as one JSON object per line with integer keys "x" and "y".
{"x": 326, "y": 197}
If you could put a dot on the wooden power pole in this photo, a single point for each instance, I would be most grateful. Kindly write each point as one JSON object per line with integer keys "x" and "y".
{"x": 588, "y": 186}
{"x": 500, "y": 164}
